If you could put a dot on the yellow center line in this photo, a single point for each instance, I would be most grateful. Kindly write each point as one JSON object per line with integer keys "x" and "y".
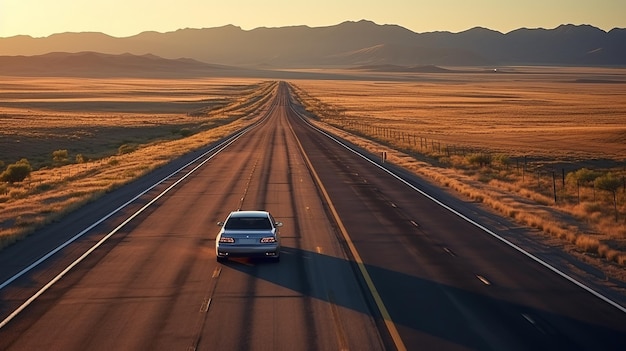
{"x": 216, "y": 272}
{"x": 391, "y": 327}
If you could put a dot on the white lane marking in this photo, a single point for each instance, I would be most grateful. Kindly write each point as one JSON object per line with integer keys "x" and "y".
{"x": 450, "y": 252}
{"x": 205, "y": 305}
{"x": 535, "y": 324}
{"x": 483, "y": 279}
{"x": 527, "y": 317}
{"x": 467, "y": 219}
{"x": 215, "y": 150}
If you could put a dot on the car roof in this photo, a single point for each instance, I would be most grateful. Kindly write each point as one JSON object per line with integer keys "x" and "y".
{"x": 249, "y": 214}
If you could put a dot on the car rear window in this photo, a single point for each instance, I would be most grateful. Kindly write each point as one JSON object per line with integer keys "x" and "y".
{"x": 248, "y": 223}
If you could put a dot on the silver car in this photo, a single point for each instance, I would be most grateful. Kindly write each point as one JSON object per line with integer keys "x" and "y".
{"x": 248, "y": 234}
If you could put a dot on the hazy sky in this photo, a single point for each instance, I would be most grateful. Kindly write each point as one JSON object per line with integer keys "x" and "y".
{"x": 122, "y": 18}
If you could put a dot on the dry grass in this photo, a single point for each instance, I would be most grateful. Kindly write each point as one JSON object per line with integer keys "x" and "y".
{"x": 548, "y": 116}
{"x": 540, "y": 120}
{"x": 34, "y": 118}
{"x": 94, "y": 117}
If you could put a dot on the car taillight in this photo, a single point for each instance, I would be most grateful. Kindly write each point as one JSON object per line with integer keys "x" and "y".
{"x": 268, "y": 240}
{"x": 227, "y": 240}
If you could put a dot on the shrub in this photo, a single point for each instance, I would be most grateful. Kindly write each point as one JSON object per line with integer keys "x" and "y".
{"x": 16, "y": 172}
{"x": 17, "y": 194}
{"x": 582, "y": 176}
{"x": 591, "y": 207}
{"x": 80, "y": 158}
{"x": 126, "y": 148}
{"x": 588, "y": 243}
{"x": 185, "y": 132}
{"x": 480, "y": 159}
{"x": 60, "y": 156}
{"x": 503, "y": 160}
{"x": 43, "y": 187}
{"x": 610, "y": 183}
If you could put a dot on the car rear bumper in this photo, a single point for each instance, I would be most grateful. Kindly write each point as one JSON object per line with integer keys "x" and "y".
{"x": 247, "y": 251}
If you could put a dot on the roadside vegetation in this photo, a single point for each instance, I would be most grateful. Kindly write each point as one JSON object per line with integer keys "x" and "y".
{"x": 547, "y": 154}
{"x": 63, "y": 179}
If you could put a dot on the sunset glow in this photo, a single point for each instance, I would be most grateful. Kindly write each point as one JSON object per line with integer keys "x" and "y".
{"x": 39, "y": 18}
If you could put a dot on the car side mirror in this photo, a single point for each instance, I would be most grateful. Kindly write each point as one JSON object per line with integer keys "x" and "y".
{"x": 220, "y": 224}
{"x": 278, "y": 224}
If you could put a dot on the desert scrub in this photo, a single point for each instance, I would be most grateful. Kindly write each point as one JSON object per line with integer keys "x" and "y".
{"x": 16, "y": 172}
{"x": 126, "y": 149}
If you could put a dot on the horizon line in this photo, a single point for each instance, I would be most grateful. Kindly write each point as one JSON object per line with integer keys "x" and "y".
{"x": 311, "y": 27}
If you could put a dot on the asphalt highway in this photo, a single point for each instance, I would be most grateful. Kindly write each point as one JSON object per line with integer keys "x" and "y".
{"x": 368, "y": 263}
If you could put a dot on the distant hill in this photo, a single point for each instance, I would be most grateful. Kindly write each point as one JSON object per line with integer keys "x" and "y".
{"x": 348, "y": 44}
{"x": 94, "y": 64}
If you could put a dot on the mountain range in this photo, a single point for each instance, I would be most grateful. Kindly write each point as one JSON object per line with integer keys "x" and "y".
{"x": 348, "y": 44}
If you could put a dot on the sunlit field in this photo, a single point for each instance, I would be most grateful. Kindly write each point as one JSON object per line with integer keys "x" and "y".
{"x": 93, "y": 117}
{"x": 535, "y": 126}
{"x": 543, "y": 112}
{"x": 85, "y": 137}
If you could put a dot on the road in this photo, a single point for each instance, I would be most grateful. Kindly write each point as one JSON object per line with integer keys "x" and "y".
{"x": 368, "y": 263}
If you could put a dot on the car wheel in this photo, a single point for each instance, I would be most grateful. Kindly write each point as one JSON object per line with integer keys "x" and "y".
{"x": 222, "y": 259}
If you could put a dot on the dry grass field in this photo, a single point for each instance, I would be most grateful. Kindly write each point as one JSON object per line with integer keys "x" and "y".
{"x": 545, "y": 112}
{"x": 114, "y": 130}
{"x": 94, "y": 117}
{"x": 537, "y": 125}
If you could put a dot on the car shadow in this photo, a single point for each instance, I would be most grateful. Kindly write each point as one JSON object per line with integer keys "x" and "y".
{"x": 426, "y": 310}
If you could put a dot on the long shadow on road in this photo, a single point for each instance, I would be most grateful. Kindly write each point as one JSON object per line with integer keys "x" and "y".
{"x": 430, "y": 314}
